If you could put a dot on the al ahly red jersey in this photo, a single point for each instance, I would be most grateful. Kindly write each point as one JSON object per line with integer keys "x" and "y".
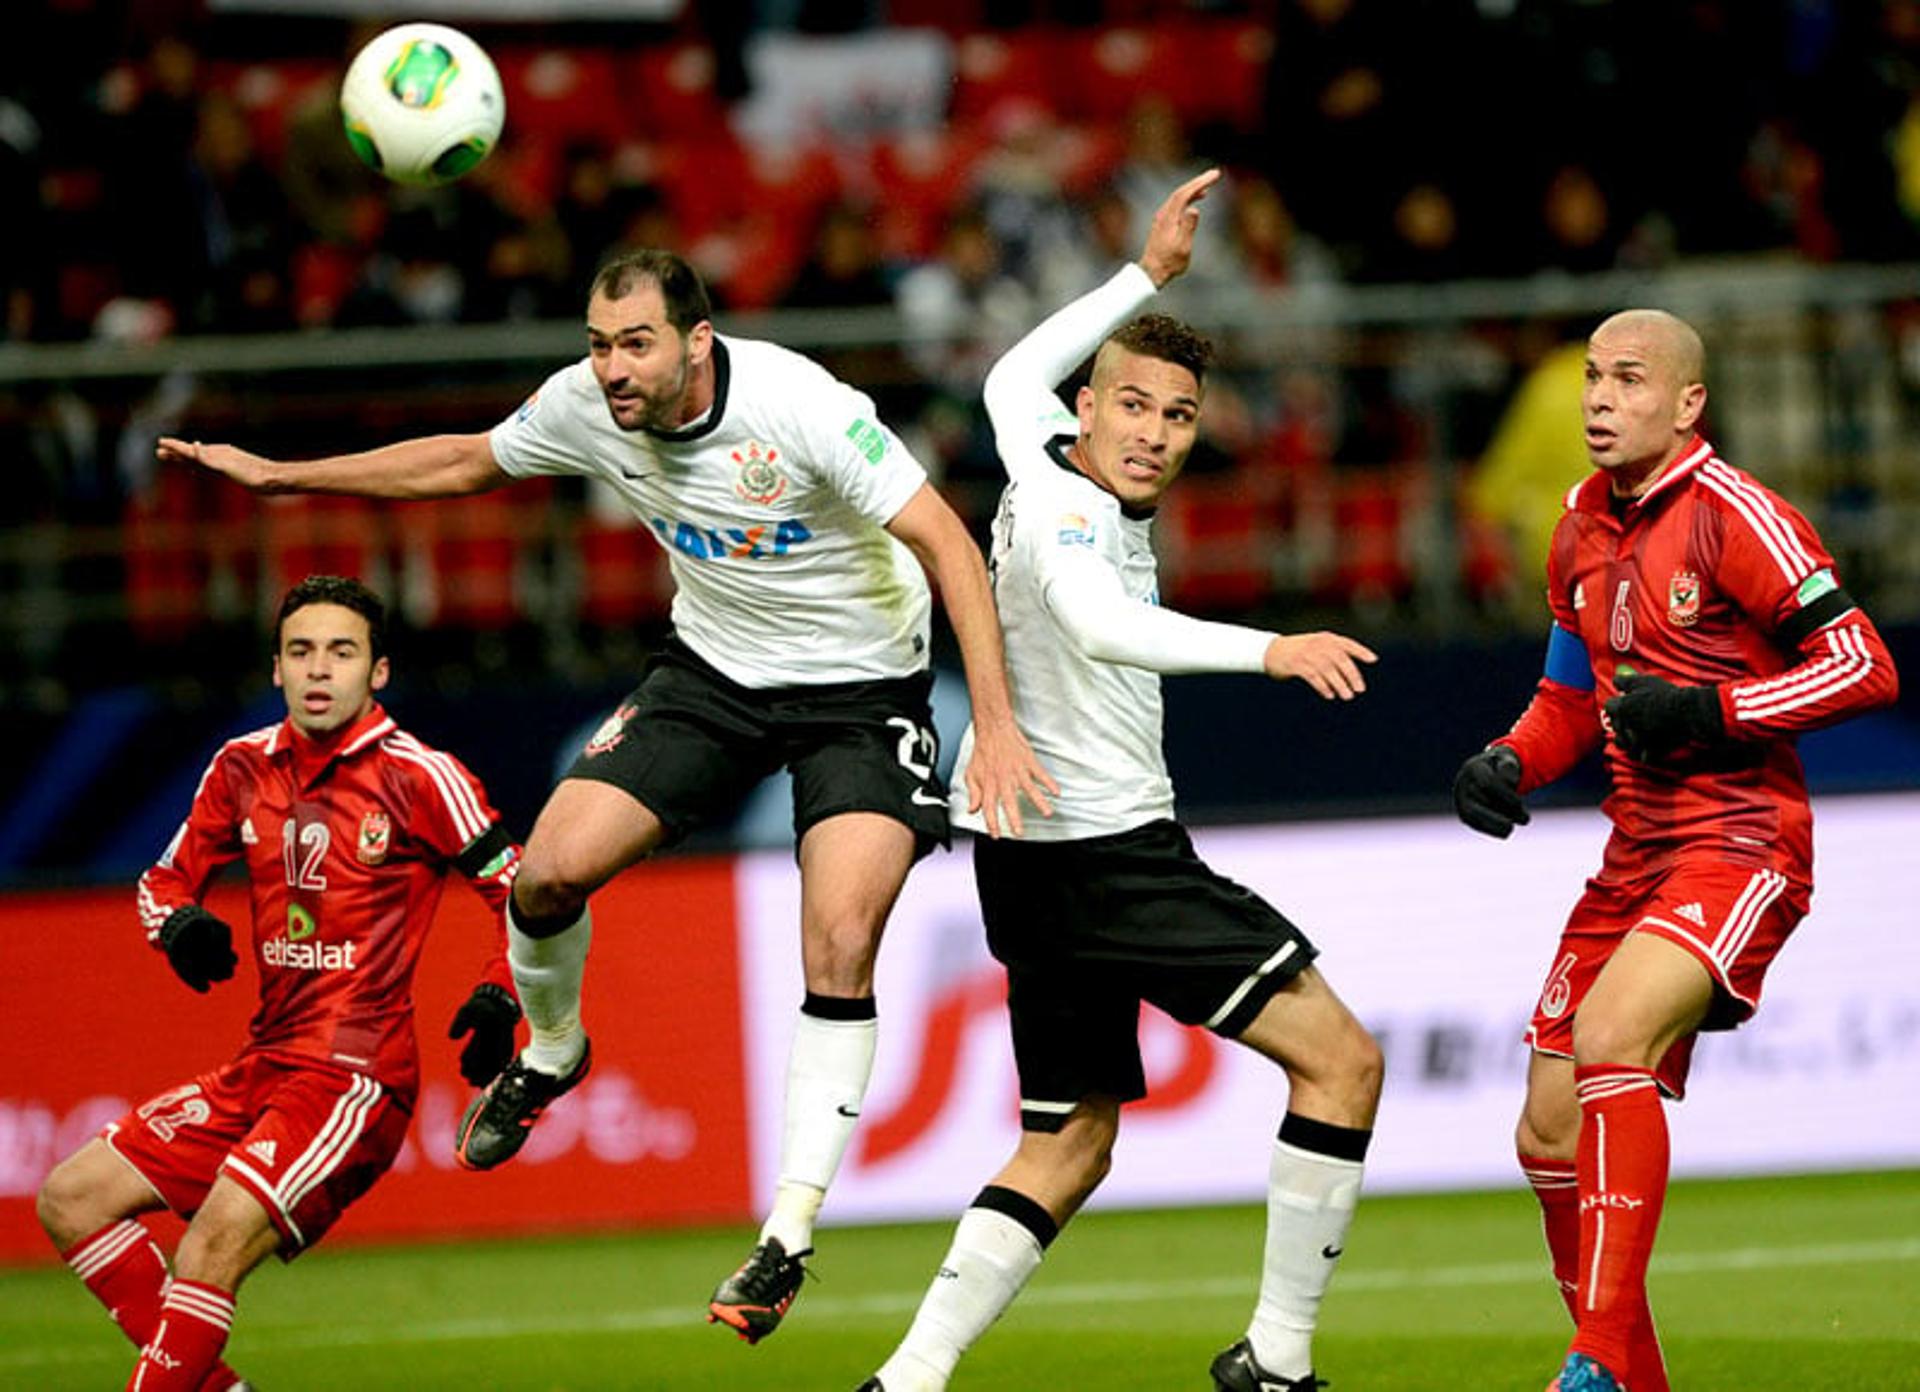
{"x": 346, "y": 857}
{"x": 1707, "y": 579}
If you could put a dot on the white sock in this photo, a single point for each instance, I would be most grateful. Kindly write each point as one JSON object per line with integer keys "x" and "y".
{"x": 827, "y": 1074}
{"x": 990, "y": 1260}
{"x": 1310, "y": 1202}
{"x": 546, "y": 974}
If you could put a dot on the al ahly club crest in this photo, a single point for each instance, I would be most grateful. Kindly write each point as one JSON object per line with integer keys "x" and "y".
{"x": 375, "y": 833}
{"x": 1683, "y": 599}
{"x": 761, "y": 478}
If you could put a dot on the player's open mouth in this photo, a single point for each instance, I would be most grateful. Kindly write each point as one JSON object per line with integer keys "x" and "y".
{"x": 1140, "y": 467}
{"x": 1599, "y": 436}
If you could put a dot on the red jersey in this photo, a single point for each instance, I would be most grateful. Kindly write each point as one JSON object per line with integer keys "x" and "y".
{"x": 347, "y": 848}
{"x": 1707, "y": 579}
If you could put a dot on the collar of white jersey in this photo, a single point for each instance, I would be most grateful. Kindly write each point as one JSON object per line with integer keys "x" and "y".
{"x": 722, "y": 380}
{"x": 1057, "y": 448}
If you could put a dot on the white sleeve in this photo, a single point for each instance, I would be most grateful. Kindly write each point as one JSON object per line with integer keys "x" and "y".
{"x": 541, "y": 436}
{"x": 1086, "y": 598}
{"x": 1019, "y": 393}
{"x": 855, "y": 452}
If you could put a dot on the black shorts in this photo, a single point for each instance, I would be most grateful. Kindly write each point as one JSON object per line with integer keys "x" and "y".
{"x": 1089, "y": 929}
{"x": 690, "y": 742}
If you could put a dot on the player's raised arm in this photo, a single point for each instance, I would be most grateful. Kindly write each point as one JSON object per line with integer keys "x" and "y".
{"x": 1004, "y": 767}
{"x": 1019, "y": 389}
{"x": 433, "y": 466}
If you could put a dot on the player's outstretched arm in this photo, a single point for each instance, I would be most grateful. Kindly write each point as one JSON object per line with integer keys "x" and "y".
{"x": 434, "y": 466}
{"x": 1327, "y": 662}
{"x": 1169, "y": 249}
{"x": 1004, "y": 767}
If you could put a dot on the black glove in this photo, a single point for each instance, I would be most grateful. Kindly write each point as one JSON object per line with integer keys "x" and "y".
{"x": 490, "y": 1013}
{"x": 1651, "y": 717}
{"x": 199, "y": 947}
{"x": 1486, "y": 792}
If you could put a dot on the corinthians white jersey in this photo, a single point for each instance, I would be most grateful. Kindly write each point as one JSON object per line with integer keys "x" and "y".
{"x": 1076, "y": 583}
{"x": 772, "y": 509}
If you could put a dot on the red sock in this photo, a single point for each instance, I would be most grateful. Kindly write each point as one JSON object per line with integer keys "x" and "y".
{"x": 185, "y": 1348}
{"x": 1558, "y": 1190}
{"x": 126, "y": 1273}
{"x": 1623, "y": 1184}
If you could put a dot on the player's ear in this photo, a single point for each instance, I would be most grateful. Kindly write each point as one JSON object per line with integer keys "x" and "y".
{"x": 1693, "y": 403}
{"x": 276, "y": 671}
{"x": 700, "y": 342}
{"x": 1083, "y": 407}
{"x": 381, "y": 671}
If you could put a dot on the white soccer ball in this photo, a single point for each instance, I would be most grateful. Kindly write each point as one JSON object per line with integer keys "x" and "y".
{"x": 422, "y": 103}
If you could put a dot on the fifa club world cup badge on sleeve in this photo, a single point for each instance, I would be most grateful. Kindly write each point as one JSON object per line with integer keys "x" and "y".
{"x": 375, "y": 833}
{"x": 1683, "y": 599}
{"x": 761, "y": 480}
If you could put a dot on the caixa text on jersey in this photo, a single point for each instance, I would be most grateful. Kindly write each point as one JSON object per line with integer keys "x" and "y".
{"x": 753, "y": 543}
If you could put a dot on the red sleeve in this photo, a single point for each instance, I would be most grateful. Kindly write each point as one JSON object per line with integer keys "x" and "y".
{"x": 1559, "y": 728}
{"x": 452, "y": 815}
{"x": 1774, "y": 567}
{"x": 1561, "y": 725}
{"x": 208, "y": 839}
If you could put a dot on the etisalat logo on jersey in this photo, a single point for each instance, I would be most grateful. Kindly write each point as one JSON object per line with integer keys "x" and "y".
{"x": 299, "y": 952}
{"x": 761, "y": 479}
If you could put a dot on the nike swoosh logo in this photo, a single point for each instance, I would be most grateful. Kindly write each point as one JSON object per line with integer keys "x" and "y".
{"x": 1330, "y": 1251}
{"x": 927, "y": 800}
{"x": 847, "y": 1111}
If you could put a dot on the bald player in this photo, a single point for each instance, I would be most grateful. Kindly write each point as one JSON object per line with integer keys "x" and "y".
{"x": 1699, "y": 629}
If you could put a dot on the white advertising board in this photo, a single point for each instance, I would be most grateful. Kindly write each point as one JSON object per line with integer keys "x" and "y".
{"x": 1438, "y": 939}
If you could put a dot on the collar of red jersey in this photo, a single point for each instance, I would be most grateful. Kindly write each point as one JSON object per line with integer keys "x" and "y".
{"x": 1594, "y": 493}
{"x": 375, "y": 724}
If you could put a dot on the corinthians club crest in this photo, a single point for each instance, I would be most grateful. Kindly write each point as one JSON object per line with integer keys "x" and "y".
{"x": 375, "y": 833}
{"x": 1683, "y": 599}
{"x": 761, "y": 479}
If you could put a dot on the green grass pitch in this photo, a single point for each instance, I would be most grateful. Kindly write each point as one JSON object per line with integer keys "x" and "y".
{"x": 1795, "y": 1284}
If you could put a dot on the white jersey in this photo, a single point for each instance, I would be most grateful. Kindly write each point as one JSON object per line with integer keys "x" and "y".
{"x": 772, "y": 509}
{"x": 1076, "y": 583}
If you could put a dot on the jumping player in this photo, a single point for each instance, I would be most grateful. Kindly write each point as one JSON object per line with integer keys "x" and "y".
{"x": 348, "y": 827}
{"x": 1698, "y": 629}
{"x": 797, "y": 526}
{"x": 1107, "y": 905}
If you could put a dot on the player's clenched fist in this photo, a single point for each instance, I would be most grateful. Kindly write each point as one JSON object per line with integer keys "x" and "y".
{"x": 1486, "y": 792}
{"x": 1328, "y": 662}
{"x": 199, "y": 947}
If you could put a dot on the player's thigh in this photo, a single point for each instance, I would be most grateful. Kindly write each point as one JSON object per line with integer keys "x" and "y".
{"x": 88, "y": 1190}
{"x": 864, "y": 747}
{"x": 1307, "y": 1029}
{"x": 682, "y": 748}
{"x": 1075, "y": 1022}
{"x": 229, "y": 1236}
{"x": 321, "y": 1139}
{"x": 587, "y": 833}
{"x": 1651, "y": 994}
{"x": 176, "y": 1140}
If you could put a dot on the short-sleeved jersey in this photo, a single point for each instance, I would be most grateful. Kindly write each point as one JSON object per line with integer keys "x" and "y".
{"x": 1096, "y": 725}
{"x": 772, "y": 509}
{"x": 1707, "y": 579}
{"x": 345, "y": 859}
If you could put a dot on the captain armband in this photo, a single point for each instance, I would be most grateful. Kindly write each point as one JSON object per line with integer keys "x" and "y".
{"x": 1567, "y": 660}
{"x": 1810, "y": 618}
{"x": 487, "y": 854}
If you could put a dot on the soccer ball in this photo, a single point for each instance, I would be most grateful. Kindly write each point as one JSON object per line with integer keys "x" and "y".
{"x": 422, "y": 103}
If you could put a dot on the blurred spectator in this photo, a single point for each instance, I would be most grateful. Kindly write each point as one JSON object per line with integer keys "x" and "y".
{"x": 1576, "y": 222}
{"x": 843, "y": 270}
{"x": 1020, "y": 185}
{"x": 243, "y": 216}
{"x": 1269, "y": 249}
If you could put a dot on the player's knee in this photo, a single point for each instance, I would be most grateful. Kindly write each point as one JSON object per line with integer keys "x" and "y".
{"x": 1364, "y": 1065}
{"x": 61, "y": 1205}
{"x": 546, "y": 898}
{"x": 1548, "y": 1132}
{"x": 1602, "y": 1036}
{"x": 212, "y": 1253}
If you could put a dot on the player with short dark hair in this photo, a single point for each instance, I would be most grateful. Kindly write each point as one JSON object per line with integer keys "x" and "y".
{"x": 1698, "y": 628}
{"x": 1106, "y": 904}
{"x": 801, "y": 533}
{"x": 348, "y": 827}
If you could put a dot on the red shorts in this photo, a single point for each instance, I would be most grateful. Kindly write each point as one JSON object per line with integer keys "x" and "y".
{"x": 1733, "y": 918}
{"x": 304, "y": 1139}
